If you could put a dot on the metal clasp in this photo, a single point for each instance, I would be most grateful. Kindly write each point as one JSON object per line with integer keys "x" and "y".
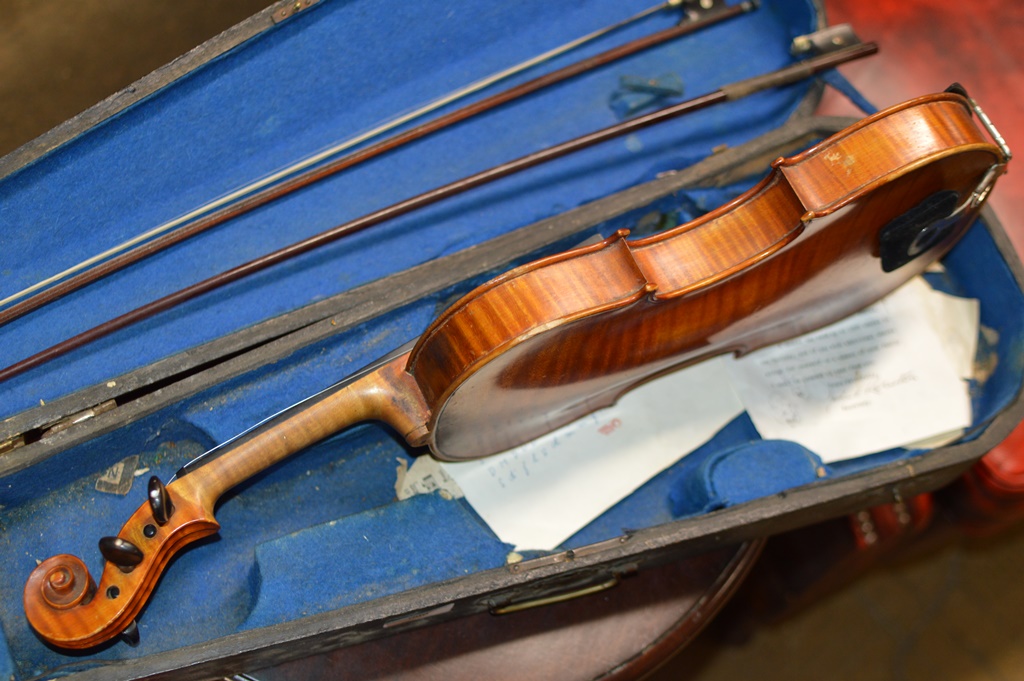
{"x": 989, "y": 180}
{"x": 986, "y": 122}
{"x": 291, "y": 8}
{"x": 985, "y": 186}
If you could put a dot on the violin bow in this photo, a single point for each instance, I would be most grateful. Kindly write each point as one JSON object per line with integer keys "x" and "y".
{"x": 727, "y": 93}
{"x": 318, "y": 167}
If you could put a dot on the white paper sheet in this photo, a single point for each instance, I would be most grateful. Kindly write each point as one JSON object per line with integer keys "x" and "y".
{"x": 882, "y": 378}
{"x": 424, "y": 476}
{"x": 537, "y": 495}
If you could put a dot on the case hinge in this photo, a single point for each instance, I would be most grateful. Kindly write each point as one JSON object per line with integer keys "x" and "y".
{"x": 291, "y": 8}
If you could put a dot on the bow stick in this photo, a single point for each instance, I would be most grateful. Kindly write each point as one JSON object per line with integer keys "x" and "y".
{"x": 310, "y": 170}
{"x": 734, "y": 91}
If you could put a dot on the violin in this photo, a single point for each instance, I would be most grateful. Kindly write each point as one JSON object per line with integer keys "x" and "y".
{"x": 824, "y": 234}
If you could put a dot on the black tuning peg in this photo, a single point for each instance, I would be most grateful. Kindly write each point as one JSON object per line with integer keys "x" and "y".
{"x": 121, "y": 553}
{"x": 131, "y": 634}
{"x": 160, "y": 501}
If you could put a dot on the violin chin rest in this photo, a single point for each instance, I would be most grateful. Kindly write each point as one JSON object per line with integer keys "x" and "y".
{"x": 919, "y": 229}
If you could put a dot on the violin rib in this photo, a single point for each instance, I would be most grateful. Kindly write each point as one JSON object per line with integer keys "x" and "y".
{"x": 879, "y": 149}
{"x": 826, "y": 233}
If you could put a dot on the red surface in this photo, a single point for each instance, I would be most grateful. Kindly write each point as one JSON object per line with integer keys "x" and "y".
{"x": 1005, "y": 464}
{"x": 928, "y": 44}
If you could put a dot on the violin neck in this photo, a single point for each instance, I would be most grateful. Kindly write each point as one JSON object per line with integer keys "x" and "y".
{"x": 384, "y": 391}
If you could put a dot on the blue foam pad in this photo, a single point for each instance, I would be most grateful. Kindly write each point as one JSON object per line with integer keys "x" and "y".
{"x": 744, "y": 473}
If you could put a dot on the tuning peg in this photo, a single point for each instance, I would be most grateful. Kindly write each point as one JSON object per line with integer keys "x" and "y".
{"x": 121, "y": 553}
{"x": 160, "y": 501}
{"x": 131, "y": 634}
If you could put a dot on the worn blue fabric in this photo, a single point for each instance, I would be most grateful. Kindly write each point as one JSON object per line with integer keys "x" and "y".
{"x": 842, "y": 85}
{"x": 372, "y": 554}
{"x": 744, "y": 473}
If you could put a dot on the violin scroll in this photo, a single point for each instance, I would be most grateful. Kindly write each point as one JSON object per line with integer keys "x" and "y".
{"x": 69, "y": 609}
{"x": 63, "y": 582}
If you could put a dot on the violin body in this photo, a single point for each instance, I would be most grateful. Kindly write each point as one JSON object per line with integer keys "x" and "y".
{"x": 556, "y": 339}
{"x": 828, "y": 232}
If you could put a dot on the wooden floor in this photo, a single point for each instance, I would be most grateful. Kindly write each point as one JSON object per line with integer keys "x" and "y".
{"x": 955, "y": 615}
{"x": 958, "y": 613}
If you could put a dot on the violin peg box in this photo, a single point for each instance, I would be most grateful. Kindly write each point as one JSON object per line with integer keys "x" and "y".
{"x": 312, "y": 552}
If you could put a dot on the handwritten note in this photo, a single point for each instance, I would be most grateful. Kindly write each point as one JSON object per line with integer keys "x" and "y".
{"x": 882, "y": 378}
{"x": 537, "y": 495}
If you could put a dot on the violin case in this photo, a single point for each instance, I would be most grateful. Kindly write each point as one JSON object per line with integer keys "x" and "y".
{"x": 316, "y": 553}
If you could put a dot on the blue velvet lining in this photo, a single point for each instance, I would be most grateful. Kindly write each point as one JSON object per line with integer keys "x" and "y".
{"x": 361, "y": 557}
{"x": 300, "y": 87}
{"x": 744, "y": 473}
{"x": 838, "y": 81}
